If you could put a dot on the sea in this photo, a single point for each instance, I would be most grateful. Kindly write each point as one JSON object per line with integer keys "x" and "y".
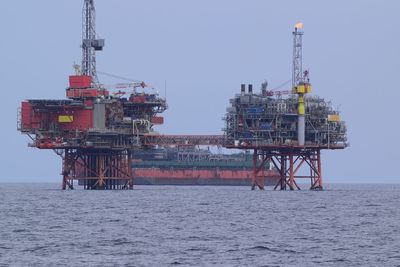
{"x": 344, "y": 225}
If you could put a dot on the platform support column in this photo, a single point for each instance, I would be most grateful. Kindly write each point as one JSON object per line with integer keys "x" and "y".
{"x": 97, "y": 169}
{"x": 289, "y": 164}
{"x": 316, "y": 167}
{"x": 279, "y": 161}
{"x": 256, "y": 179}
{"x": 254, "y": 175}
{"x": 291, "y": 172}
{"x": 68, "y": 159}
{"x": 130, "y": 173}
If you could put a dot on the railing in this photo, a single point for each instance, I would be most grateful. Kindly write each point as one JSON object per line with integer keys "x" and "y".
{"x": 183, "y": 140}
{"x": 19, "y": 120}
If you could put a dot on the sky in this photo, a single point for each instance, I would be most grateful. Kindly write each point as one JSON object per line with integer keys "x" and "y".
{"x": 204, "y": 50}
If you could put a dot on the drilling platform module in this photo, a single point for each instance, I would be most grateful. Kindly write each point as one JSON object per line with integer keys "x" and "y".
{"x": 93, "y": 131}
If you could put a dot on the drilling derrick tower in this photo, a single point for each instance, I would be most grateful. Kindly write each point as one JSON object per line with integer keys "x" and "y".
{"x": 89, "y": 42}
{"x": 287, "y": 133}
{"x": 94, "y": 131}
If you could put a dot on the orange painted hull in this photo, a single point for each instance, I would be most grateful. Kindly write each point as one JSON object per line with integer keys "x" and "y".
{"x": 198, "y": 177}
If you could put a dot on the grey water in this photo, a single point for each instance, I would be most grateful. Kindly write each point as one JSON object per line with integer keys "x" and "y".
{"x": 344, "y": 225}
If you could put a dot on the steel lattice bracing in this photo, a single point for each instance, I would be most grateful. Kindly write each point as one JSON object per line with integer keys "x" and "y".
{"x": 288, "y": 163}
{"x": 297, "y": 72}
{"x": 183, "y": 140}
{"x": 97, "y": 169}
{"x": 89, "y": 42}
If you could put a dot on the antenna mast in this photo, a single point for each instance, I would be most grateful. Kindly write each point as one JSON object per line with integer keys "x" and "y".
{"x": 89, "y": 42}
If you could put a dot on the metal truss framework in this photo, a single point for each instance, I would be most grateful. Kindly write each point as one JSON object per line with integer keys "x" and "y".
{"x": 183, "y": 140}
{"x": 288, "y": 163}
{"x": 97, "y": 169}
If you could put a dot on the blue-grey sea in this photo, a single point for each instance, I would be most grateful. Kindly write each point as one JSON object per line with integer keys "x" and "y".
{"x": 344, "y": 225}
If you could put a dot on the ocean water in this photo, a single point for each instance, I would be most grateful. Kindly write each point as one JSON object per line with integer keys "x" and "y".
{"x": 345, "y": 225}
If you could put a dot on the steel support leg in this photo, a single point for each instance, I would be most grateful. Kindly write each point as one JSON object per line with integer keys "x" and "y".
{"x": 258, "y": 180}
{"x": 317, "y": 168}
{"x": 68, "y": 166}
{"x": 97, "y": 169}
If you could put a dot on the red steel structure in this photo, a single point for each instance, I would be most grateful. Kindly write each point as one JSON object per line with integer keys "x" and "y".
{"x": 226, "y": 177}
{"x": 92, "y": 130}
{"x": 288, "y": 161}
{"x": 96, "y": 132}
{"x": 95, "y": 136}
{"x": 97, "y": 169}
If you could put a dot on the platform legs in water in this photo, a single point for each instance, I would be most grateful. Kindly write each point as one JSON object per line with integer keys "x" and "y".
{"x": 288, "y": 162}
{"x": 97, "y": 169}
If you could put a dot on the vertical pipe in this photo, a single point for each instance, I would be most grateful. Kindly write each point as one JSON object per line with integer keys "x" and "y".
{"x": 319, "y": 169}
{"x": 101, "y": 171}
{"x": 283, "y": 172}
{"x": 291, "y": 172}
{"x": 64, "y": 172}
{"x": 301, "y": 130}
{"x": 262, "y": 180}
{"x": 301, "y": 121}
{"x": 253, "y": 178}
{"x": 312, "y": 177}
{"x": 129, "y": 169}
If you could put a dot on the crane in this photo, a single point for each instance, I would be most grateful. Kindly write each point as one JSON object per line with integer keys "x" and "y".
{"x": 278, "y": 93}
{"x": 119, "y": 86}
{"x": 273, "y": 92}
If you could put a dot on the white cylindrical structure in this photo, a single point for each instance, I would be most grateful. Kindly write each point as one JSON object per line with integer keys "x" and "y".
{"x": 301, "y": 130}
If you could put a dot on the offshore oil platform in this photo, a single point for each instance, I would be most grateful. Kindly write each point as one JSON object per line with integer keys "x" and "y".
{"x": 98, "y": 132}
{"x": 288, "y": 128}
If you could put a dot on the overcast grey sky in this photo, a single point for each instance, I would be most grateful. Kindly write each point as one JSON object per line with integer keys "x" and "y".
{"x": 205, "y": 50}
